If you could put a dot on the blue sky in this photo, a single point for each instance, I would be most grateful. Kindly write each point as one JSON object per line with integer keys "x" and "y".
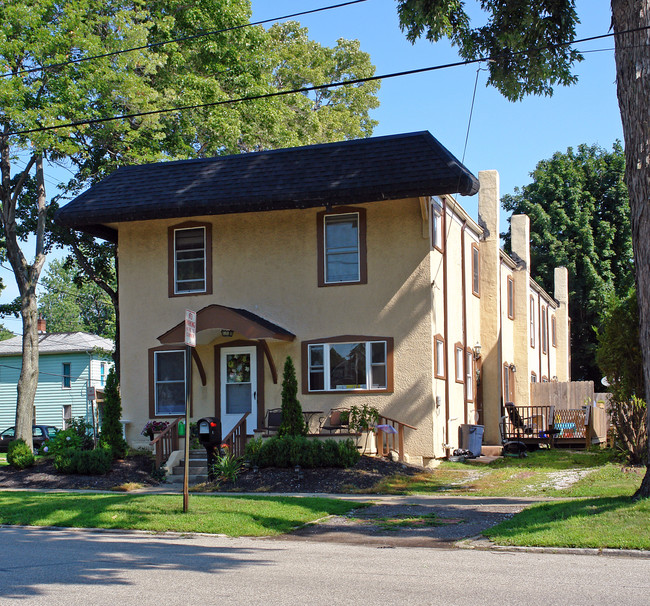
{"x": 508, "y": 137}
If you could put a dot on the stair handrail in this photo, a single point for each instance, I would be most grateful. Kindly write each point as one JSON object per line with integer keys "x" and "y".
{"x": 236, "y": 439}
{"x": 167, "y": 441}
{"x": 386, "y": 441}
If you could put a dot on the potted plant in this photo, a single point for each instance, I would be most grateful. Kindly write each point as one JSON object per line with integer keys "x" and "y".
{"x": 362, "y": 420}
{"x": 153, "y": 427}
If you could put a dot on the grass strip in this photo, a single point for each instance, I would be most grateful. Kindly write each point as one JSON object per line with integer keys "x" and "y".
{"x": 232, "y": 516}
{"x": 616, "y": 523}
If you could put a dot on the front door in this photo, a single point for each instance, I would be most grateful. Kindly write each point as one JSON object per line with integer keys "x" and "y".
{"x": 238, "y": 387}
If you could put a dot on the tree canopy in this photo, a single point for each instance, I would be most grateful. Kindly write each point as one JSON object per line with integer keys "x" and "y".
{"x": 580, "y": 219}
{"x": 69, "y": 304}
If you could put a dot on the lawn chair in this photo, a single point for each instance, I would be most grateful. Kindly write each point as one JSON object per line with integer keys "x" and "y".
{"x": 272, "y": 422}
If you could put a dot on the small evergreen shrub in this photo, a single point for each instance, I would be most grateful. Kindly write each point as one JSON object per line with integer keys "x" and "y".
{"x": 84, "y": 462}
{"x": 289, "y": 451}
{"x": 293, "y": 421}
{"x": 111, "y": 432}
{"x": 19, "y": 455}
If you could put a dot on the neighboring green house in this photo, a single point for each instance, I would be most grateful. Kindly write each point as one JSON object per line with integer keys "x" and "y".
{"x": 69, "y": 364}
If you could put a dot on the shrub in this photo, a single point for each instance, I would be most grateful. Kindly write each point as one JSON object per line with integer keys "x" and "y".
{"x": 84, "y": 462}
{"x": 19, "y": 455}
{"x": 289, "y": 451}
{"x": 227, "y": 467}
{"x": 68, "y": 439}
{"x": 111, "y": 433}
{"x": 293, "y": 421}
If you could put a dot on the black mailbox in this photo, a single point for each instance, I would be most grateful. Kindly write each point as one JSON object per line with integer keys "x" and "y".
{"x": 209, "y": 429}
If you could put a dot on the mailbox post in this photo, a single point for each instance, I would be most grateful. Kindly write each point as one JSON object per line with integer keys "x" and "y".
{"x": 210, "y": 437}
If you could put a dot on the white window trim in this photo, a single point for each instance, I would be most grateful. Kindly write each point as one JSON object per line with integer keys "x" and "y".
{"x": 156, "y": 382}
{"x": 469, "y": 377}
{"x": 339, "y": 216}
{"x": 66, "y": 376}
{"x": 205, "y": 253}
{"x": 436, "y": 226}
{"x": 326, "y": 367}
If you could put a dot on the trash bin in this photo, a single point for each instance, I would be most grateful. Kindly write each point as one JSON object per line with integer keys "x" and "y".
{"x": 471, "y": 438}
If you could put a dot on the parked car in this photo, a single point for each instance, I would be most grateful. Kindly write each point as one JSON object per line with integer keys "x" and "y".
{"x": 40, "y": 434}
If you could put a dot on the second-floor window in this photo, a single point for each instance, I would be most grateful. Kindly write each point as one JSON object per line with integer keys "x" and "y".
{"x": 67, "y": 375}
{"x": 189, "y": 260}
{"x": 342, "y": 247}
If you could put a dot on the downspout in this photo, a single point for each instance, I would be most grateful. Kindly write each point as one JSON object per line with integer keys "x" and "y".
{"x": 539, "y": 341}
{"x": 464, "y": 309}
{"x": 500, "y": 339}
{"x": 446, "y": 326}
{"x": 548, "y": 343}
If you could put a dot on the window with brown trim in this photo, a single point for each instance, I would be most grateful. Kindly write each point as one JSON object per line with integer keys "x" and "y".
{"x": 476, "y": 271}
{"x": 341, "y": 240}
{"x": 469, "y": 376}
{"x": 532, "y": 321}
{"x": 439, "y": 356}
{"x": 544, "y": 379}
{"x": 458, "y": 357}
{"x": 533, "y": 376}
{"x": 167, "y": 366}
{"x": 347, "y": 364}
{"x": 190, "y": 259}
{"x": 511, "y": 297}
{"x": 543, "y": 325}
{"x": 553, "y": 331}
{"x": 437, "y": 227}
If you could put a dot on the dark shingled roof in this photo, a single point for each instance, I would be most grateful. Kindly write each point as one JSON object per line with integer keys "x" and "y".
{"x": 363, "y": 170}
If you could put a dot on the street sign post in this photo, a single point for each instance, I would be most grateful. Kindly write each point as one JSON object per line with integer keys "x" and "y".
{"x": 190, "y": 341}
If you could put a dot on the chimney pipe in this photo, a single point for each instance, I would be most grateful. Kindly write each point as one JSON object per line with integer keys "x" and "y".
{"x": 41, "y": 325}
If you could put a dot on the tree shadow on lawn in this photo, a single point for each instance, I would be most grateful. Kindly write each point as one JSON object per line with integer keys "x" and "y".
{"x": 570, "y": 523}
{"x": 37, "y": 558}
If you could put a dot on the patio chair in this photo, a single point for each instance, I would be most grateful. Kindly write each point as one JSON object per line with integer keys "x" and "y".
{"x": 337, "y": 421}
{"x": 272, "y": 421}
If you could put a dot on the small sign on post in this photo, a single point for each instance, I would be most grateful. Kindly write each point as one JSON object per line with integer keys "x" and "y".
{"x": 190, "y": 328}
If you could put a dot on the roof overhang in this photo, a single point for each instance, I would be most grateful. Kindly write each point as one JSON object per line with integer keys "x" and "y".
{"x": 211, "y": 320}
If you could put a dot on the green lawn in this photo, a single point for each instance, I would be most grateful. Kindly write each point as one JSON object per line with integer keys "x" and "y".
{"x": 250, "y": 516}
{"x": 3, "y": 459}
{"x": 616, "y": 523}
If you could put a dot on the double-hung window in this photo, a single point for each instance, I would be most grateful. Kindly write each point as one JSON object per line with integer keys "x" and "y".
{"x": 349, "y": 365}
{"x": 190, "y": 259}
{"x": 342, "y": 247}
{"x": 169, "y": 382}
{"x": 437, "y": 227}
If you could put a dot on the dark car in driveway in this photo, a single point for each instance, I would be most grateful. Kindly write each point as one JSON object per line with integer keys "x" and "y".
{"x": 40, "y": 434}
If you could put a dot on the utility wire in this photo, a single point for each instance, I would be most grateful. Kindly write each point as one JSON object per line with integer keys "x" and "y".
{"x": 184, "y": 39}
{"x": 304, "y": 89}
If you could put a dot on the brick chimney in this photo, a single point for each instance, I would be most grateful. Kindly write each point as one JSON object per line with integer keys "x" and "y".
{"x": 40, "y": 325}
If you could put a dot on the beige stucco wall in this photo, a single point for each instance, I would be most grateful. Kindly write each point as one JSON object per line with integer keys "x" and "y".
{"x": 267, "y": 264}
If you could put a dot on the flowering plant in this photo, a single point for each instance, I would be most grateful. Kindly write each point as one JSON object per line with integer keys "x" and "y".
{"x": 153, "y": 426}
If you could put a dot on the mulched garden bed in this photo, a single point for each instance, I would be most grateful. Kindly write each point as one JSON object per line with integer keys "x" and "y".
{"x": 136, "y": 468}
{"x": 362, "y": 477}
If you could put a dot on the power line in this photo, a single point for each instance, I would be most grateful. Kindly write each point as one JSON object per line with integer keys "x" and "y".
{"x": 304, "y": 89}
{"x": 184, "y": 39}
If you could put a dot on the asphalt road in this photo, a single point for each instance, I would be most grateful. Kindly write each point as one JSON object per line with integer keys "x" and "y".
{"x": 41, "y": 566}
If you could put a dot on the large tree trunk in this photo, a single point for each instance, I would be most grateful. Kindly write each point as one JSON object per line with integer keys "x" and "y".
{"x": 28, "y": 381}
{"x": 633, "y": 88}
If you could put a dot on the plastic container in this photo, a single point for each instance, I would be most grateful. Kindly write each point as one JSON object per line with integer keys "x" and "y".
{"x": 471, "y": 438}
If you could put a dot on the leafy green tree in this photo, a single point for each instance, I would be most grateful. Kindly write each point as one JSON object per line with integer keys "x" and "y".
{"x": 41, "y": 88}
{"x": 529, "y": 49}
{"x": 293, "y": 421}
{"x": 71, "y": 305}
{"x": 619, "y": 357}
{"x": 111, "y": 430}
{"x": 5, "y": 333}
{"x": 580, "y": 219}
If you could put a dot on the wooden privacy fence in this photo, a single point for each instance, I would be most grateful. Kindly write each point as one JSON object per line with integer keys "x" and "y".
{"x": 579, "y": 412}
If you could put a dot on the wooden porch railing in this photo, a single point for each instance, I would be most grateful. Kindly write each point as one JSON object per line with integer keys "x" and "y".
{"x": 528, "y": 423}
{"x": 389, "y": 440}
{"x": 236, "y": 439}
{"x": 167, "y": 442}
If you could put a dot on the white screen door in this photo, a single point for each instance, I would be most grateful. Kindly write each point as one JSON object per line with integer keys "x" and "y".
{"x": 238, "y": 387}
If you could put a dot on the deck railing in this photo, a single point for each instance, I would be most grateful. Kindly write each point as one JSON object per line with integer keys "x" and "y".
{"x": 167, "y": 442}
{"x": 236, "y": 439}
{"x": 528, "y": 422}
{"x": 391, "y": 439}
{"x": 570, "y": 424}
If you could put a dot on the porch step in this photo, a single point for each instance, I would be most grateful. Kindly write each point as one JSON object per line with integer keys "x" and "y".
{"x": 198, "y": 469}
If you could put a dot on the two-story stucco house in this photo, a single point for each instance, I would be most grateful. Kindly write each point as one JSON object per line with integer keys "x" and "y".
{"x": 352, "y": 257}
